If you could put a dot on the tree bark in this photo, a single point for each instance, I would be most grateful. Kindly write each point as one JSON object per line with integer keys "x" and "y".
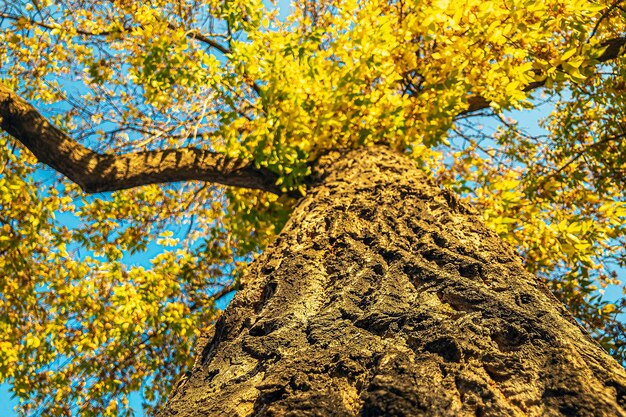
{"x": 386, "y": 296}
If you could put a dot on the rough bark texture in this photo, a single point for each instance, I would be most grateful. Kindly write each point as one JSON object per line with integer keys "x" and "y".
{"x": 95, "y": 172}
{"x": 385, "y": 296}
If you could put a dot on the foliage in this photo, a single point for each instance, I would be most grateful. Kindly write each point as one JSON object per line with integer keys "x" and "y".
{"x": 84, "y": 325}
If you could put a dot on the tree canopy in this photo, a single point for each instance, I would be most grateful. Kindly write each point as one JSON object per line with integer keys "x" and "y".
{"x": 199, "y": 120}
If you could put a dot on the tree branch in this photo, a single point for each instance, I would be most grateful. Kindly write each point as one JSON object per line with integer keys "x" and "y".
{"x": 193, "y": 34}
{"x": 612, "y": 51}
{"x": 95, "y": 172}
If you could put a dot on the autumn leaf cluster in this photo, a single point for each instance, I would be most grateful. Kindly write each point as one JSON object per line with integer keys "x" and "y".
{"x": 86, "y": 320}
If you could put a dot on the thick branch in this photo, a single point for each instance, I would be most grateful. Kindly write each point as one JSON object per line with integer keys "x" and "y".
{"x": 612, "y": 51}
{"x": 95, "y": 172}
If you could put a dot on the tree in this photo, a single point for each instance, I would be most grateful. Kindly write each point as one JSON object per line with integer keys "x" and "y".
{"x": 384, "y": 294}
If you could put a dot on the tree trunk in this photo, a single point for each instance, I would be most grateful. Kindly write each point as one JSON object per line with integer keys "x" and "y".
{"x": 386, "y": 296}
